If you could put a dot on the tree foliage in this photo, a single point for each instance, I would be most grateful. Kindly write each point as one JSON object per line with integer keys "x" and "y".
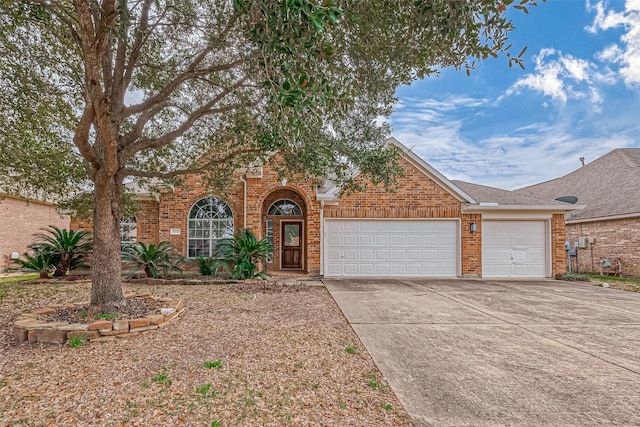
{"x": 93, "y": 93}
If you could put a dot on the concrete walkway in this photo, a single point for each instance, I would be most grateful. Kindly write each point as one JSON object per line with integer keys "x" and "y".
{"x": 487, "y": 353}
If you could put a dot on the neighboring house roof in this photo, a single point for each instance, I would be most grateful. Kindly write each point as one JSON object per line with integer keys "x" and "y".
{"x": 608, "y": 187}
{"x": 484, "y": 194}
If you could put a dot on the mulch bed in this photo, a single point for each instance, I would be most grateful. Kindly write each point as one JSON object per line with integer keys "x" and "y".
{"x": 133, "y": 308}
{"x": 240, "y": 355}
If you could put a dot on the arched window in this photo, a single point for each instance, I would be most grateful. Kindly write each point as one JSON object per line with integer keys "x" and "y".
{"x": 210, "y": 220}
{"x": 285, "y": 207}
{"x": 128, "y": 230}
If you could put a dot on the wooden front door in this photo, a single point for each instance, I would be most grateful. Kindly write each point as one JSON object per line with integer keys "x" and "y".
{"x": 291, "y": 238}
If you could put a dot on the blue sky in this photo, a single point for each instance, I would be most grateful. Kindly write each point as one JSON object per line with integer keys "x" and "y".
{"x": 579, "y": 96}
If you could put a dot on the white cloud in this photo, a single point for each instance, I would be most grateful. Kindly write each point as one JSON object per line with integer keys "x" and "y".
{"x": 562, "y": 77}
{"x": 509, "y": 157}
{"x": 627, "y": 52}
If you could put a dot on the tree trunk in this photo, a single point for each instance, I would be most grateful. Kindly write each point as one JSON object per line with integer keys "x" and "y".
{"x": 106, "y": 267}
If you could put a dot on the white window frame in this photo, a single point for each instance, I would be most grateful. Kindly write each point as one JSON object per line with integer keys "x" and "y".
{"x": 209, "y": 220}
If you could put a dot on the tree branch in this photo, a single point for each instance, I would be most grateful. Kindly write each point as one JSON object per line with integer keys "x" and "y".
{"x": 206, "y": 166}
{"x": 81, "y": 135}
{"x": 189, "y": 73}
{"x": 205, "y": 110}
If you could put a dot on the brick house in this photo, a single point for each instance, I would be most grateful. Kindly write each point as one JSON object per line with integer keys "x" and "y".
{"x": 608, "y": 228}
{"x": 429, "y": 226}
{"x": 20, "y": 219}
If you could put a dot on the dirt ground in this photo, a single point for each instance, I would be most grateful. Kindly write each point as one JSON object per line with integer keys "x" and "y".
{"x": 238, "y": 356}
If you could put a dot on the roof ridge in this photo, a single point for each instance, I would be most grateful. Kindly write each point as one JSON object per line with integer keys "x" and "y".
{"x": 622, "y": 152}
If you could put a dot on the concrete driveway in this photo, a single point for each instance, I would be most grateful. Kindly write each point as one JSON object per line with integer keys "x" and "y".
{"x": 479, "y": 353}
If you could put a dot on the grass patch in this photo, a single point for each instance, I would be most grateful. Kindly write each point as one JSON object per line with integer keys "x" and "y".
{"x": 205, "y": 390}
{"x": 162, "y": 378}
{"x": 573, "y": 277}
{"x": 217, "y": 364}
{"x": 16, "y": 279}
{"x": 109, "y": 316}
{"x": 349, "y": 349}
{"x": 631, "y": 284}
{"x": 76, "y": 342}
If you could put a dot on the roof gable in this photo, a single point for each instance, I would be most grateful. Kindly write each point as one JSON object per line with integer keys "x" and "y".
{"x": 432, "y": 173}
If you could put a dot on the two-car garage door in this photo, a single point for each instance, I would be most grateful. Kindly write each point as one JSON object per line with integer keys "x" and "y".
{"x": 430, "y": 248}
{"x": 413, "y": 248}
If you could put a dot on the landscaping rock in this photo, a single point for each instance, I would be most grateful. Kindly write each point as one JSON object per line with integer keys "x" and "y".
{"x": 21, "y": 335}
{"x": 138, "y": 323}
{"x": 45, "y": 311}
{"x": 51, "y": 336}
{"x": 166, "y": 311}
{"x": 121, "y": 325}
{"x": 155, "y": 319}
{"x": 100, "y": 324}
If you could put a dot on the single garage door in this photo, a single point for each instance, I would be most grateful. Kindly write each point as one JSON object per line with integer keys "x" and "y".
{"x": 391, "y": 248}
{"x": 514, "y": 249}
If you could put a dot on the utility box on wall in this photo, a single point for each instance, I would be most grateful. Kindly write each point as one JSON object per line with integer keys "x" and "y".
{"x": 582, "y": 242}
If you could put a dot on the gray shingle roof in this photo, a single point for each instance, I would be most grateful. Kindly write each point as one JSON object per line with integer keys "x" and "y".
{"x": 484, "y": 194}
{"x": 608, "y": 186}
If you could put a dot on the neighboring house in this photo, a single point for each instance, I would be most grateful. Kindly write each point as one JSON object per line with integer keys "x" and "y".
{"x": 429, "y": 226}
{"x": 19, "y": 220}
{"x": 608, "y": 228}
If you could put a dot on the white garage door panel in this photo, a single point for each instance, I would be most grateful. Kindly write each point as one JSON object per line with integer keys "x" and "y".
{"x": 391, "y": 248}
{"x": 514, "y": 249}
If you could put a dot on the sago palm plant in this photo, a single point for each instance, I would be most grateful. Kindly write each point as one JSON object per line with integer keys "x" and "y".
{"x": 40, "y": 262}
{"x": 242, "y": 253}
{"x": 154, "y": 259}
{"x": 68, "y": 248}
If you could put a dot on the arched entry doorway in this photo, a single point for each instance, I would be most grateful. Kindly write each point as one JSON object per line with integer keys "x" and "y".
{"x": 284, "y": 215}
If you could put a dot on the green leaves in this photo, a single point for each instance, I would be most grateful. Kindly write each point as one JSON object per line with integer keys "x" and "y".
{"x": 241, "y": 254}
{"x": 67, "y": 249}
{"x": 154, "y": 259}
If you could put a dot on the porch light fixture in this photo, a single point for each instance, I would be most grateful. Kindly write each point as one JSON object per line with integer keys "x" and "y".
{"x": 284, "y": 182}
{"x": 472, "y": 227}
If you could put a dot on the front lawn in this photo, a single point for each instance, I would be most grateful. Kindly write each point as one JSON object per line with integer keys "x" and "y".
{"x": 238, "y": 356}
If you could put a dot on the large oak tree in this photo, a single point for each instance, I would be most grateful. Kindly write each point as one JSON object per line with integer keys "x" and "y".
{"x": 94, "y": 93}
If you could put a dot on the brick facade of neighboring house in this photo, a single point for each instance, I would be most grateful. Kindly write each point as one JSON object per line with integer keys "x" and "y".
{"x": 189, "y": 214}
{"x": 619, "y": 238}
{"x": 607, "y": 227}
{"x": 19, "y": 220}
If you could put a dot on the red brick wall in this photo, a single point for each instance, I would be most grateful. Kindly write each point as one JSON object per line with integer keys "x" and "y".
{"x": 471, "y": 246}
{"x": 147, "y": 221}
{"x": 558, "y": 252}
{"x": 261, "y": 193}
{"x": 19, "y": 220}
{"x": 416, "y": 196}
{"x": 614, "y": 238}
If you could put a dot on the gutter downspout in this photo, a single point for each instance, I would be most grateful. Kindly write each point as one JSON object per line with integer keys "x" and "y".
{"x": 244, "y": 205}
{"x": 322, "y": 238}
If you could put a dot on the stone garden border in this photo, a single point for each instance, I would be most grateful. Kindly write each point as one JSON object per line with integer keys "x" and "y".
{"x": 28, "y": 326}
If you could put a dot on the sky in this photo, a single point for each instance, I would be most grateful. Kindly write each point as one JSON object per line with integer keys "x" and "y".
{"x": 578, "y": 96}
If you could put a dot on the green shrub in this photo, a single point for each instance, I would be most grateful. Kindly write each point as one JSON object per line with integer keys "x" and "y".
{"x": 241, "y": 254}
{"x": 205, "y": 265}
{"x": 155, "y": 260}
{"x": 41, "y": 262}
{"x": 573, "y": 277}
{"x": 67, "y": 248}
